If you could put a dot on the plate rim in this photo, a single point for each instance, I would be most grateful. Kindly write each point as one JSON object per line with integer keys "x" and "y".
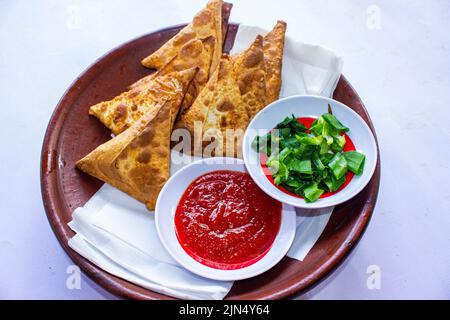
{"x": 50, "y": 187}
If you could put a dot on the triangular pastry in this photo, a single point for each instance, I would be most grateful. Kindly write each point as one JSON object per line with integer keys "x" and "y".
{"x": 273, "y": 57}
{"x": 249, "y": 68}
{"x": 137, "y": 160}
{"x": 218, "y": 108}
{"x": 195, "y": 53}
{"x": 124, "y": 110}
{"x": 206, "y": 23}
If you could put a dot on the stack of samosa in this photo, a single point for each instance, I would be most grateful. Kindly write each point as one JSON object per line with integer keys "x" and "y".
{"x": 137, "y": 160}
{"x": 240, "y": 88}
{"x": 194, "y": 84}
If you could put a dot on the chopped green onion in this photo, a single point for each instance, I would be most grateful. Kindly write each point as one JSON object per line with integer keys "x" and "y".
{"x": 338, "y": 166}
{"x": 334, "y": 184}
{"x": 309, "y": 162}
{"x": 312, "y": 193}
{"x": 301, "y": 166}
{"x": 355, "y": 161}
{"x": 334, "y": 122}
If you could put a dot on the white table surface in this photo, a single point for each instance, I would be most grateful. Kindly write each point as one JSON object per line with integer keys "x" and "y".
{"x": 399, "y": 64}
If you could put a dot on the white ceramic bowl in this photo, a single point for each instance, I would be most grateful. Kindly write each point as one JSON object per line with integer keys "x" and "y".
{"x": 310, "y": 106}
{"x": 165, "y": 211}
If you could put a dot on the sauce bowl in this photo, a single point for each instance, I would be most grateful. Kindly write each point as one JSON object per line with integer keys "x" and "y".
{"x": 166, "y": 206}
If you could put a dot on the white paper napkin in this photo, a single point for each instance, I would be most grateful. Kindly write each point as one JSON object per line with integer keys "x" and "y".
{"x": 118, "y": 234}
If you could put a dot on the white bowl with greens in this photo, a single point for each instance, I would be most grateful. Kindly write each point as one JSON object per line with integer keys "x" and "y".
{"x": 309, "y": 151}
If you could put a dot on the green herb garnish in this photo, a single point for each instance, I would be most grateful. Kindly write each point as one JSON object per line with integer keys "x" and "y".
{"x": 309, "y": 162}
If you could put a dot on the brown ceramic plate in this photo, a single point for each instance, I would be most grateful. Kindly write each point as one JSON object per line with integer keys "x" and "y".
{"x": 71, "y": 134}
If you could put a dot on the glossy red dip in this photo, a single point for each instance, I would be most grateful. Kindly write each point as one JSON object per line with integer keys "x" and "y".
{"x": 308, "y": 121}
{"x": 224, "y": 221}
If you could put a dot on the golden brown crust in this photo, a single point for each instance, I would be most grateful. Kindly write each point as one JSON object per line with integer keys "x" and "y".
{"x": 201, "y": 78}
{"x": 273, "y": 55}
{"x": 217, "y": 108}
{"x": 195, "y": 53}
{"x": 124, "y": 110}
{"x": 206, "y": 23}
{"x": 136, "y": 161}
{"x": 249, "y": 68}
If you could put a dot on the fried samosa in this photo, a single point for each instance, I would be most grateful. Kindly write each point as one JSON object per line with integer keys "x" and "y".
{"x": 206, "y": 23}
{"x": 124, "y": 110}
{"x": 195, "y": 53}
{"x": 218, "y": 117}
{"x": 249, "y": 69}
{"x": 137, "y": 160}
{"x": 273, "y": 43}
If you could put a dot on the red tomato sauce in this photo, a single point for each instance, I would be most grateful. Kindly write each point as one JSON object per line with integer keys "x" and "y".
{"x": 224, "y": 221}
{"x": 307, "y": 121}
